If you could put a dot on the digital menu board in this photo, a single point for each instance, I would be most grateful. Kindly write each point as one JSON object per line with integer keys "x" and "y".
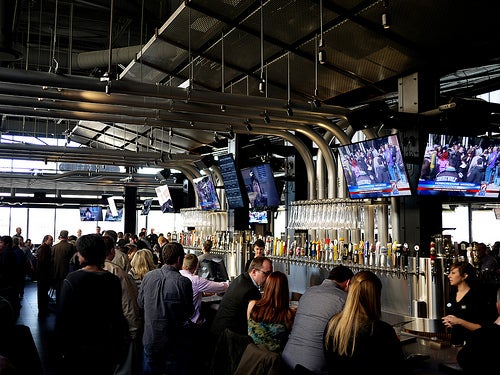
{"x": 231, "y": 181}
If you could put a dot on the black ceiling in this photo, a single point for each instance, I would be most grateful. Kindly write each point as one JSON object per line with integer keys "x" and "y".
{"x": 227, "y": 48}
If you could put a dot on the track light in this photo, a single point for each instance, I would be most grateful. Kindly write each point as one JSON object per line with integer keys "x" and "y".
{"x": 108, "y": 88}
{"x": 262, "y": 88}
{"x": 322, "y": 52}
{"x": 216, "y": 138}
{"x": 223, "y": 108}
{"x": 248, "y": 125}
{"x": 267, "y": 120}
{"x": 230, "y": 134}
{"x": 386, "y": 16}
{"x": 289, "y": 110}
{"x": 191, "y": 123}
{"x": 316, "y": 103}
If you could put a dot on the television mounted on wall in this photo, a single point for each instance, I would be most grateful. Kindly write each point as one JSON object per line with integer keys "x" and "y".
{"x": 375, "y": 168}
{"x": 90, "y": 213}
{"x": 261, "y": 187}
{"x": 207, "y": 196}
{"x": 258, "y": 217}
{"x": 460, "y": 166}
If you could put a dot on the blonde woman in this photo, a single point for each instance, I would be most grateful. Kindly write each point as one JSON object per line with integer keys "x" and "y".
{"x": 142, "y": 262}
{"x": 357, "y": 341}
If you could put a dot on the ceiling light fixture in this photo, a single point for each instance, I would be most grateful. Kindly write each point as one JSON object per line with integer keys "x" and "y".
{"x": 262, "y": 83}
{"x": 289, "y": 110}
{"x": 267, "y": 120}
{"x": 321, "y": 44}
{"x": 230, "y": 134}
{"x": 223, "y": 108}
{"x": 248, "y": 125}
{"x": 386, "y": 15}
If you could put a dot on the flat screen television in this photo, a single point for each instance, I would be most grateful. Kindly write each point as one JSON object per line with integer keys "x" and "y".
{"x": 110, "y": 217}
{"x": 459, "y": 166}
{"x": 207, "y": 196}
{"x": 146, "y": 206}
{"x": 258, "y": 217}
{"x": 232, "y": 182}
{"x": 164, "y": 198}
{"x": 375, "y": 168}
{"x": 261, "y": 186}
{"x": 91, "y": 213}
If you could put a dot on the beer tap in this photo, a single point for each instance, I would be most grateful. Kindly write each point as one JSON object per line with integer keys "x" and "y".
{"x": 398, "y": 261}
{"x": 447, "y": 260}
{"x": 417, "y": 262}
{"x": 433, "y": 259}
{"x": 405, "y": 260}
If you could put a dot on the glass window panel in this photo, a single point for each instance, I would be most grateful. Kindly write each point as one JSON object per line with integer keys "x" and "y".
{"x": 41, "y": 223}
{"x": 18, "y": 218}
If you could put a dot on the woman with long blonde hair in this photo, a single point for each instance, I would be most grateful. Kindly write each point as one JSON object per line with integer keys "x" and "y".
{"x": 142, "y": 262}
{"x": 270, "y": 319}
{"x": 356, "y": 339}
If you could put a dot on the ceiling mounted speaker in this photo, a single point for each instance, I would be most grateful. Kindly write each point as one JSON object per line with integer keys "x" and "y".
{"x": 163, "y": 175}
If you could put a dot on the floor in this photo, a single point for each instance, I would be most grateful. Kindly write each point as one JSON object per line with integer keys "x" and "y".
{"x": 41, "y": 329}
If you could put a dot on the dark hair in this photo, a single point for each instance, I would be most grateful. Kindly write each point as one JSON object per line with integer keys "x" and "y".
{"x": 259, "y": 243}
{"x": 172, "y": 251}
{"x": 340, "y": 273}
{"x": 207, "y": 245}
{"x": 109, "y": 243}
{"x": 466, "y": 268}
{"x": 112, "y": 233}
{"x": 16, "y": 241}
{"x": 7, "y": 241}
{"x": 92, "y": 248}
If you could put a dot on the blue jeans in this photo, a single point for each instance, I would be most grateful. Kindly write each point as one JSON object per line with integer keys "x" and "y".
{"x": 168, "y": 361}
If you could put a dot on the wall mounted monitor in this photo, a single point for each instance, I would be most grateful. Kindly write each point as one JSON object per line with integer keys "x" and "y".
{"x": 207, "y": 196}
{"x": 459, "y": 166}
{"x": 375, "y": 168}
{"x": 110, "y": 217}
{"x": 164, "y": 198}
{"x": 232, "y": 182}
{"x": 258, "y": 217}
{"x": 90, "y": 213}
{"x": 261, "y": 186}
{"x": 146, "y": 206}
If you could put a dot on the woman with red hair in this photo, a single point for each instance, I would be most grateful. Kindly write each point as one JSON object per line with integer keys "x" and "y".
{"x": 270, "y": 319}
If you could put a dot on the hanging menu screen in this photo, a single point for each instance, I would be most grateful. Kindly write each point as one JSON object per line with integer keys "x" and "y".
{"x": 231, "y": 183}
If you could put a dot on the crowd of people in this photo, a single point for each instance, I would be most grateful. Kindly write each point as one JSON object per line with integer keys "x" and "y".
{"x": 456, "y": 162}
{"x": 376, "y": 164}
{"x": 122, "y": 310}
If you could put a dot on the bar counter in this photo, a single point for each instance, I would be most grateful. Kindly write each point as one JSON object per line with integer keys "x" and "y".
{"x": 430, "y": 355}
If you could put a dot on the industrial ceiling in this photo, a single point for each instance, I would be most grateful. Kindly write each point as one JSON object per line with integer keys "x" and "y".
{"x": 106, "y": 75}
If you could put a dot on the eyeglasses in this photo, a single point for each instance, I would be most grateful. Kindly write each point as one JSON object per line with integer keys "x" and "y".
{"x": 266, "y": 273}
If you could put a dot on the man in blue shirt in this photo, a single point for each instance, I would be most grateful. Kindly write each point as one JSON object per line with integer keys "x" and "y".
{"x": 166, "y": 298}
{"x": 318, "y": 304}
